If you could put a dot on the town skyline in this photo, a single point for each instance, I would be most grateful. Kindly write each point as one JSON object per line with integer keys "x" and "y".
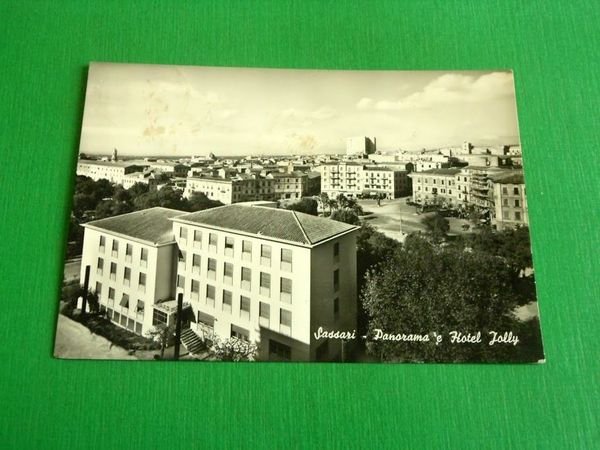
{"x": 177, "y": 111}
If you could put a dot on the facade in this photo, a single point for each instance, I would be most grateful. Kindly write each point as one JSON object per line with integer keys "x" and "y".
{"x": 435, "y": 186}
{"x": 241, "y": 188}
{"x": 132, "y": 267}
{"x": 111, "y": 171}
{"x": 352, "y": 179}
{"x": 360, "y": 145}
{"x": 510, "y": 201}
{"x": 269, "y": 276}
{"x": 139, "y": 177}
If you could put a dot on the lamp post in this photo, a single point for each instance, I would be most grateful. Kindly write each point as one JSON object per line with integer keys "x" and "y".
{"x": 178, "y": 319}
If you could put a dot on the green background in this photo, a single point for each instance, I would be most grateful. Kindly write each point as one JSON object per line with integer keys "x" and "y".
{"x": 47, "y": 403}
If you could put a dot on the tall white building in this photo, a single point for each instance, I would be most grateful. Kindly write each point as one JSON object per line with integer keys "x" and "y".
{"x": 269, "y": 276}
{"x": 132, "y": 259}
{"x": 360, "y": 145}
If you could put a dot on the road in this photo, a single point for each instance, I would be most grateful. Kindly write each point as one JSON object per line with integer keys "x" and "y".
{"x": 74, "y": 341}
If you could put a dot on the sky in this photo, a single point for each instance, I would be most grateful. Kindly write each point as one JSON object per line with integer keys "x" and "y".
{"x": 180, "y": 111}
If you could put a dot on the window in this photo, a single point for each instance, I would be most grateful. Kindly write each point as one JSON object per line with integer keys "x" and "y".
{"x": 505, "y": 215}
{"x": 286, "y": 259}
{"x": 127, "y": 276}
{"x": 180, "y": 281}
{"x": 505, "y": 202}
{"x": 228, "y": 246}
{"x": 517, "y": 203}
{"x": 286, "y": 290}
{"x": 516, "y": 191}
{"x": 196, "y": 264}
{"x": 264, "y": 313}
{"x": 212, "y": 242}
{"x": 140, "y": 308}
{"x": 102, "y": 245}
{"x": 265, "y": 255}
{"x": 195, "y": 289}
{"x": 228, "y": 273}
{"x": 113, "y": 271}
{"x": 183, "y": 233}
{"x": 197, "y": 238}
{"x": 211, "y": 269}
{"x": 244, "y": 307}
{"x": 336, "y": 251}
{"x": 144, "y": 257}
{"x": 159, "y": 318}
{"x": 142, "y": 282}
{"x": 285, "y": 321}
{"x": 279, "y": 351}
{"x": 265, "y": 284}
{"x": 227, "y": 300}
{"x": 116, "y": 317}
{"x": 517, "y": 215}
{"x": 124, "y": 301}
{"x": 336, "y": 308}
{"x": 210, "y": 295}
{"x": 128, "y": 252}
{"x": 181, "y": 257}
{"x": 206, "y": 319}
{"x": 115, "y": 247}
{"x": 98, "y": 289}
{"x": 100, "y": 268}
{"x": 246, "y": 250}
{"x": 246, "y": 278}
{"x": 239, "y": 333}
{"x": 138, "y": 328}
{"x": 336, "y": 280}
{"x": 111, "y": 295}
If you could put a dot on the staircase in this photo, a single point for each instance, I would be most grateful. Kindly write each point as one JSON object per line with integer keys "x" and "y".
{"x": 192, "y": 342}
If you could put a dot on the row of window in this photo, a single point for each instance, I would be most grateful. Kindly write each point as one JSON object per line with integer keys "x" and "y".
{"x": 442, "y": 182}
{"x": 143, "y": 254}
{"x": 506, "y": 215}
{"x": 126, "y": 280}
{"x": 516, "y": 190}
{"x": 517, "y": 202}
{"x": 124, "y": 302}
{"x": 123, "y": 320}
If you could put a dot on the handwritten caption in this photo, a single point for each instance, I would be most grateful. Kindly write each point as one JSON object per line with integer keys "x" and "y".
{"x": 454, "y": 337}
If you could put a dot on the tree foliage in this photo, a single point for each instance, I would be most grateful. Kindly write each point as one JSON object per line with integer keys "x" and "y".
{"x": 305, "y": 205}
{"x": 233, "y": 349}
{"x": 198, "y": 201}
{"x": 424, "y": 289}
{"x": 162, "y": 334}
{"x": 345, "y": 215}
{"x": 437, "y": 226}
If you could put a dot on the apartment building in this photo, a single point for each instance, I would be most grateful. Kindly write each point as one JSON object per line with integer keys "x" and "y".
{"x": 269, "y": 276}
{"x": 510, "y": 201}
{"x": 239, "y": 188}
{"x": 353, "y": 179}
{"x": 288, "y": 185}
{"x": 109, "y": 170}
{"x": 435, "y": 186}
{"x": 132, "y": 261}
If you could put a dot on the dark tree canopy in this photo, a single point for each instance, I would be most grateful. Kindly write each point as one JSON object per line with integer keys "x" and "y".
{"x": 437, "y": 226}
{"x": 167, "y": 197}
{"x": 424, "y": 289}
{"x": 198, "y": 201}
{"x": 305, "y": 205}
{"x": 345, "y": 215}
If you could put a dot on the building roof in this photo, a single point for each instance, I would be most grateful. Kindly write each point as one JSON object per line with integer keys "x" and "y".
{"x": 447, "y": 172}
{"x": 151, "y": 225}
{"x": 279, "y": 224}
{"x": 110, "y": 163}
{"x": 509, "y": 178}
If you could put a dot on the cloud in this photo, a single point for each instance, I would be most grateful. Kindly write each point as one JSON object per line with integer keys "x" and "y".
{"x": 364, "y": 103}
{"x": 322, "y": 113}
{"x": 449, "y": 89}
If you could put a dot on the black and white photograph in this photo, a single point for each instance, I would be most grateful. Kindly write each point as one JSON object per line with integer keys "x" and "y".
{"x": 256, "y": 215}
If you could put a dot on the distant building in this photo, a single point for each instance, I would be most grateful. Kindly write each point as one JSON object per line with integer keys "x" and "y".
{"x": 510, "y": 201}
{"x": 435, "y": 186}
{"x": 269, "y": 276}
{"x": 352, "y": 179}
{"x": 360, "y": 145}
{"x": 111, "y": 171}
{"x": 240, "y": 188}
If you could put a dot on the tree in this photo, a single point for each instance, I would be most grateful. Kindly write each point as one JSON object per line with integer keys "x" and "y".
{"x": 198, "y": 201}
{"x": 163, "y": 334}
{"x": 167, "y": 197}
{"x": 305, "y": 205}
{"x": 324, "y": 201}
{"x": 138, "y": 189}
{"x": 233, "y": 349}
{"x": 430, "y": 291}
{"x": 437, "y": 226}
{"x": 345, "y": 215}
{"x": 110, "y": 208}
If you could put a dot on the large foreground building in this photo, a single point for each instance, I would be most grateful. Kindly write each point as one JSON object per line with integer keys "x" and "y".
{"x": 264, "y": 275}
{"x": 270, "y": 276}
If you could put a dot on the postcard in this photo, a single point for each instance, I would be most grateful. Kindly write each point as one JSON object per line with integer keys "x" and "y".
{"x": 240, "y": 214}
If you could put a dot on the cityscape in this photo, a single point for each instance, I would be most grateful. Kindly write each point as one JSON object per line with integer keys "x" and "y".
{"x": 360, "y": 254}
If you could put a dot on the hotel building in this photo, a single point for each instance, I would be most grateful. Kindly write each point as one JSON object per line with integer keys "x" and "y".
{"x": 132, "y": 259}
{"x": 435, "y": 186}
{"x": 270, "y": 276}
{"x": 510, "y": 201}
